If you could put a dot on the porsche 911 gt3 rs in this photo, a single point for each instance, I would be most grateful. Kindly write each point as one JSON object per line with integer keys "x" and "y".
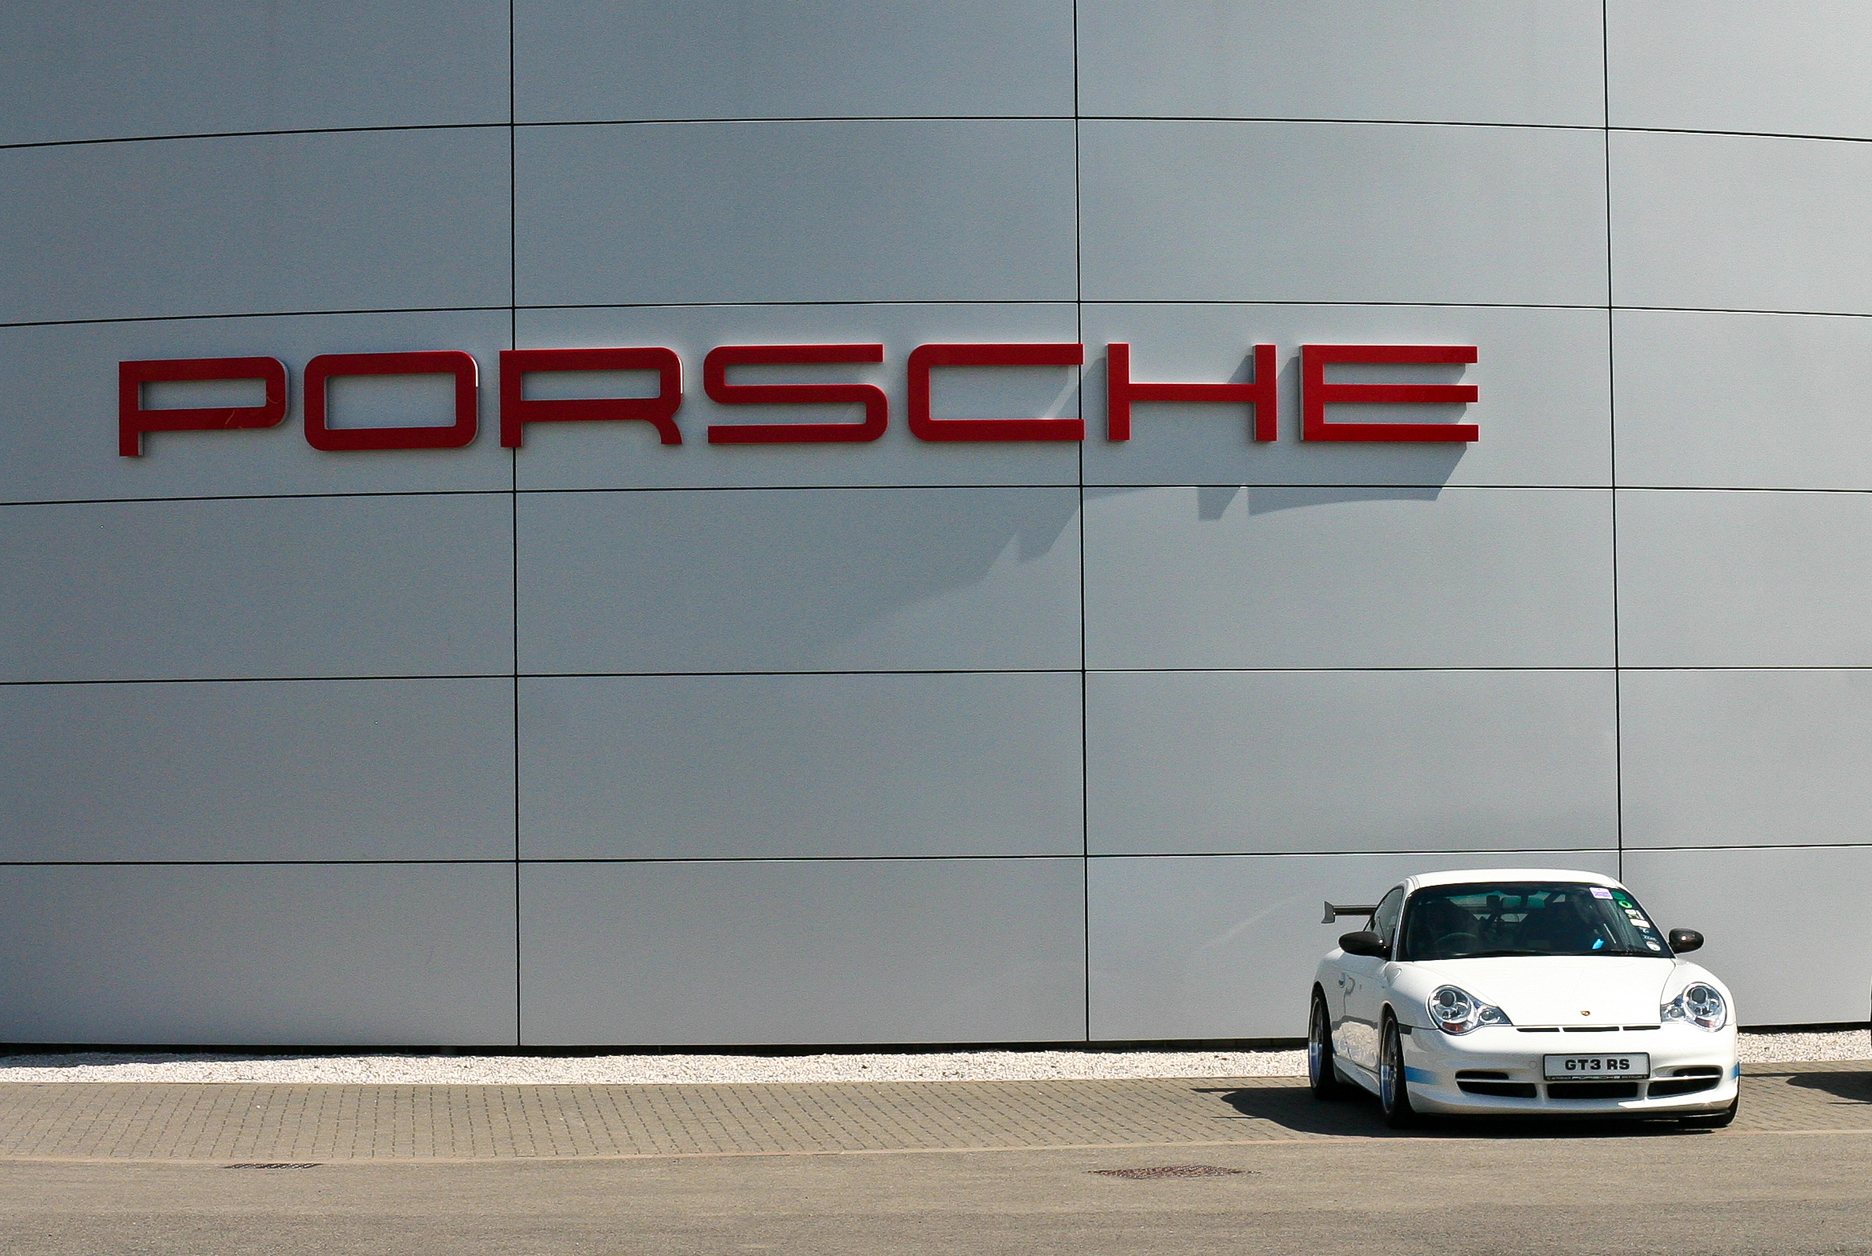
{"x": 1512, "y": 992}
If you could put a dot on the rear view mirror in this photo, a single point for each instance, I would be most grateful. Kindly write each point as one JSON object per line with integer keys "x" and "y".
{"x": 1365, "y": 942}
{"x": 1682, "y": 940}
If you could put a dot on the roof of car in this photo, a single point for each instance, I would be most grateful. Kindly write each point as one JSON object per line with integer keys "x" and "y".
{"x": 1471, "y": 875}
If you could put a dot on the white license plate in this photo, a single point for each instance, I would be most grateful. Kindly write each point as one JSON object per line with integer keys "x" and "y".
{"x": 1584, "y": 1068}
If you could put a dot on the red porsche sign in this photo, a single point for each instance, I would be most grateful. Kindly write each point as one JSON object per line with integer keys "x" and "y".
{"x": 1260, "y": 397}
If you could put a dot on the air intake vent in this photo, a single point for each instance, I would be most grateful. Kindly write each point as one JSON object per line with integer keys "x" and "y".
{"x": 1592, "y": 1090}
{"x": 1501, "y": 1090}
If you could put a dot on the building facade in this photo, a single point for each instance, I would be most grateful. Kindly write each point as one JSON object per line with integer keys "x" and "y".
{"x": 384, "y": 701}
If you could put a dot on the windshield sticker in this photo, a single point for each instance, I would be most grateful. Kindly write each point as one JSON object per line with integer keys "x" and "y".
{"x": 1654, "y": 946}
{"x": 1600, "y": 891}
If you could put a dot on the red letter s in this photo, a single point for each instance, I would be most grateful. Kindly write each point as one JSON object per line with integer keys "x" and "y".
{"x": 715, "y": 383}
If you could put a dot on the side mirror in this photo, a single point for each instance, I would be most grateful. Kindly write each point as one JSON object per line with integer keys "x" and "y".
{"x": 1365, "y": 942}
{"x": 1682, "y": 940}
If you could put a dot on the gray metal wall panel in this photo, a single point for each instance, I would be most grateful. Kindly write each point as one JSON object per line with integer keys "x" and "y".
{"x": 1526, "y": 61}
{"x": 1712, "y": 399}
{"x": 1239, "y": 762}
{"x": 209, "y": 771}
{"x": 111, "y": 70}
{"x": 255, "y": 225}
{"x": 1348, "y": 577}
{"x": 836, "y": 580}
{"x": 900, "y": 950}
{"x": 804, "y": 59}
{"x": 688, "y": 767}
{"x": 1307, "y": 211}
{"x": 1723, "y": 579}
{"x": 1740, "y": 222}
{"x": 1781, "y": 925}
{"x": 324, "y": 954}
{"x": 892, "y": 210}
{"x": 1790, "y": 67}
{"x": 1745, "y": 758}
{"x": 313, "y": 586}
{"x": 1224, "y": 946}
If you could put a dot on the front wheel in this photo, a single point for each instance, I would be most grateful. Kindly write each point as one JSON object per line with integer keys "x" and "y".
{"x": 1393, "y": 1090}
{"x": 1322, "y": 1071}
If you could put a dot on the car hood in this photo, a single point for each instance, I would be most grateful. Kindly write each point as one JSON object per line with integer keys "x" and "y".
{"x": 1577, "y": 991}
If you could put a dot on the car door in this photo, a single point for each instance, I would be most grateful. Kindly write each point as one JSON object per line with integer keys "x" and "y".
{"x": 1363, "y": 991}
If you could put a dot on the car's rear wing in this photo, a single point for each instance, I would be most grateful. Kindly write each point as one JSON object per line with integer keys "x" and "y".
{"x": 1336, "y": 910}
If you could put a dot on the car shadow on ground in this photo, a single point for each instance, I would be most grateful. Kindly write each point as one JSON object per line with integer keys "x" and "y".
{"x": 1845, "y": 1087}
{"x": 1294, "y": 1108}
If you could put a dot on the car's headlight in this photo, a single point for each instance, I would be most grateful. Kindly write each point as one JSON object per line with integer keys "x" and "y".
{"x": 1455, "y": 1011}
{"x": 1700, "y": 1004}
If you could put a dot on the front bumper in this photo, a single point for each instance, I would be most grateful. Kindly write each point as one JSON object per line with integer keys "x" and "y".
{"x": 1692, "y": 1071}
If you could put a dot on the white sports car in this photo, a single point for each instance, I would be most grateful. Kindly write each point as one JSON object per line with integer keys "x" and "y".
{"x": 1512, "y": 992}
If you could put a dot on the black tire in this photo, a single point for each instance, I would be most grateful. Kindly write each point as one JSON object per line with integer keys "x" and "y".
{"x": 1713, "y": 1120}
{"x": 1322, "y": 1066}
{"x": 1393, "y": 1087}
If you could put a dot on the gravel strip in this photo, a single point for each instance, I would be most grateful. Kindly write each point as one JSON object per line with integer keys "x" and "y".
{"x": 513, "y": 1070}
{"x": 510, "y": 1070}
{"x": 1797, "y": 1048}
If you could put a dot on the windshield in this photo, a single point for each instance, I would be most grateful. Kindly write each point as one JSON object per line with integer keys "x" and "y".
{"x": 1526, "y": 918}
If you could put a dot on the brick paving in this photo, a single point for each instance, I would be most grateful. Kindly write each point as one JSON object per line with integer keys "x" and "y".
{"x": 272, "y": 1124}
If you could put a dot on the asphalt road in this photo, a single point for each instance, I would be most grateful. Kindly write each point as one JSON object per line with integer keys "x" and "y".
{"x": 1593, "y": 1191}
